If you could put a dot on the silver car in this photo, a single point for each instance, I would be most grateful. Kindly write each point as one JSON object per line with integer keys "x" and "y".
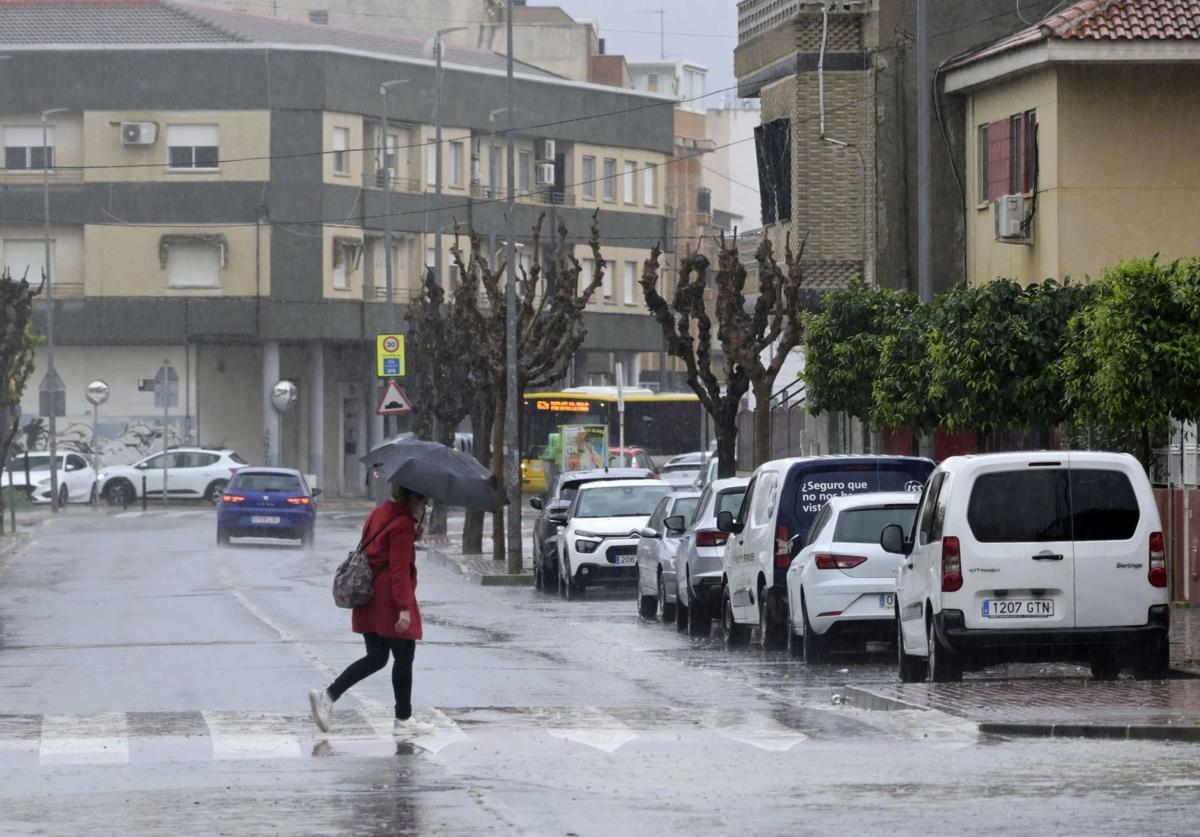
{"x": 698, "y": 558}
{"x": 656, "y": 553}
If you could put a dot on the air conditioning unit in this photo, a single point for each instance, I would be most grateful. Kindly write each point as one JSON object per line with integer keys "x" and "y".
{"x": 139, "y": 133}
{"x": 545, "y": 150}
{"x": 1010, "y": 218}
{"x": 545, "y": 174}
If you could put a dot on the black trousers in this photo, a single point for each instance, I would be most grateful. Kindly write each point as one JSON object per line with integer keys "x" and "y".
{"x": 378, "y": 648}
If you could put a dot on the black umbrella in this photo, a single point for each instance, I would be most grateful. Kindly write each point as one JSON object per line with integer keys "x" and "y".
{"x": 436, "y": 471}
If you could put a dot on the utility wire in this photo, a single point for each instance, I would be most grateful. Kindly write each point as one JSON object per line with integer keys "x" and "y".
{"x": 487, "y": 135}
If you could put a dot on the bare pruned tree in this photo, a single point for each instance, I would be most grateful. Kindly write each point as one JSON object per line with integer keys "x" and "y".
{"x": 755, "y": 340}
{"x": 550, "y": 327}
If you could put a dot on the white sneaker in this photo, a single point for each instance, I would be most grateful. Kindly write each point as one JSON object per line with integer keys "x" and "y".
{"x": 410, "y": 728}
{"x": 322, "y": 708}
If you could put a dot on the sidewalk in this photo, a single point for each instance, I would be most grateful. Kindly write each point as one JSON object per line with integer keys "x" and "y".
{"x": 1025, "y": 702}
{"x": 480, "y": 569}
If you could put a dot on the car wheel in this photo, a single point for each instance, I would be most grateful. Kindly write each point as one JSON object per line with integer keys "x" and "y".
{"x": 699, "y": 620}
{"x": 120, "y": 493}
{"x": 772, "y": 633}
{"x": 549, "y": 576}
{"x": 795, "y": 641}
{"x": 647, "y": 605}
{"x": 666, "y": 610}
{"x": 912, "y": 669}
{"x": 214, "y": 491}
{"x": 538, "y": 583}
{"x": 735, "y": 635}
{"x": 1155, "y": 662}
{"x": 816, "y": 646}
{"x": 64, "y": 496}
{"x": 222, "y": 536}
{"x": 682, "y": 615}
{"x": 944, "y": 664}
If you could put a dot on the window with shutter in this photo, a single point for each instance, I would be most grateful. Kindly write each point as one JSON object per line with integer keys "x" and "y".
{"x": 191, "y": 147}
{"x": 23, "y": 148}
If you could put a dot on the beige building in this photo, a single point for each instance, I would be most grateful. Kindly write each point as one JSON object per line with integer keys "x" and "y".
{"x": 218, "y": 201}
{"x": 1081, "y": 143}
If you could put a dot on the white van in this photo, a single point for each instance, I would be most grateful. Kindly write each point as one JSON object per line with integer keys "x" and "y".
{"x": 781, "y": 502}
{"x": 1026, "y": 557}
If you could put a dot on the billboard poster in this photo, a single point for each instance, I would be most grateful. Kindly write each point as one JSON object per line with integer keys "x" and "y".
{"x": 584, "y": 446}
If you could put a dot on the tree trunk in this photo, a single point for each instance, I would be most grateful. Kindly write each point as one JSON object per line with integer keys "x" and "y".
{"x": 725, "y": 429}
{"x": 1146, "y": 449}
{"x": 438, "y": 513}
{"x": 498, "y": 533}
{"x": 481, "y": 428}
{"x": 762, "y": 421}
{"x": 7, "y": 432}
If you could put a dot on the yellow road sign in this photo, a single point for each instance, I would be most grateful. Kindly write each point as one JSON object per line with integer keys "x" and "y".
{"x": 389, "y": 355}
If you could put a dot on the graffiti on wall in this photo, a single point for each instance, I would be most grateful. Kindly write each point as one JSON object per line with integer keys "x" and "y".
{"x": 116, "y": 442}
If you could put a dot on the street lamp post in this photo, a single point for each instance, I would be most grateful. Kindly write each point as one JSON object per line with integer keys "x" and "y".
{"x": 512, "y": 462}
{"x": 437, "y": 143}
{"x": 388, "y": 266}
{"x": 51, "y": 373}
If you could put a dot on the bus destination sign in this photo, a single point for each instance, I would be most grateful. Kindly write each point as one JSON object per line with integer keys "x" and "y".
{"x": 546, "y": 405}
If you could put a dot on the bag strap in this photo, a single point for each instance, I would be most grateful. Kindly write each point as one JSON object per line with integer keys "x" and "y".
{"x": 364, "y": 542}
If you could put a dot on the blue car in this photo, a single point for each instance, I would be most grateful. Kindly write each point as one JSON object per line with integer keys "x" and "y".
{"x": 267, "y": 503}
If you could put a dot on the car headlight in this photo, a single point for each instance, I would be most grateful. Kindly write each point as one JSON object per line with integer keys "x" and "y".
{"x": 586, "y": 547}
{"x": 102, "y": 476}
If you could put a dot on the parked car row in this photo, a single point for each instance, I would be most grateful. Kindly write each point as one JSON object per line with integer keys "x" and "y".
{"x": 1021, "y": 557}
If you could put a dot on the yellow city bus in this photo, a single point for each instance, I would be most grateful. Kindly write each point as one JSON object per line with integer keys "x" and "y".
{"x": 664, "y": 424}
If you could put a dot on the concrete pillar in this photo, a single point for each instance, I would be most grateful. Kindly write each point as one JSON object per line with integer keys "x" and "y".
{"x": 271, "y": 424}
{"x": 316, "y": 413}
{"x": 633, "y": 369}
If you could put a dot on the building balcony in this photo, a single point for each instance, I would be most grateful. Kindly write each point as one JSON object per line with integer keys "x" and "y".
{"x": 378, "y": 293}
{"x": 405, "y": 185}
{"x": 33, "y": 177}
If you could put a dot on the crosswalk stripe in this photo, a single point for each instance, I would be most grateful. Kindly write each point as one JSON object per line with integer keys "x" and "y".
{"x": 251, "y": 735}
{"x": 154, "y": 737}
{"x": 591, "y": 727}
{"x": 84, "y": 739}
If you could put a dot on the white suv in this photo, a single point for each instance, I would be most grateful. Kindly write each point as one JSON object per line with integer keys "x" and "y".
{"x": 1023, "y": 557}
{"x": 191, "y": 473}
{"x": 599, "y": 543}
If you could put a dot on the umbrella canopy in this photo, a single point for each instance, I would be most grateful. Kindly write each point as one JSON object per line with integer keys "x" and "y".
{"x": 438, "y": 472}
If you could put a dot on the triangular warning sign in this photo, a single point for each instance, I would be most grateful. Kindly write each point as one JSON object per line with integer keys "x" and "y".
{"x": 394, "y": 401}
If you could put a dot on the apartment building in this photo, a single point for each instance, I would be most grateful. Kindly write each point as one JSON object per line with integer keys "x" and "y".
{"x": 837, "y": 143}
{"x": 217, "y": 185}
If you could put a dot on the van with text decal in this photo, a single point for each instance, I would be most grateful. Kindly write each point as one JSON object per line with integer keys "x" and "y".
{"x": 781, "y": 502}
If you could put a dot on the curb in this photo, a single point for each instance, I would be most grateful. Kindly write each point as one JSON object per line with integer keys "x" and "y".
{"x": 860, "y": 698}
{"x": 1122, "y": 732}
{"x": 524, "y": 579}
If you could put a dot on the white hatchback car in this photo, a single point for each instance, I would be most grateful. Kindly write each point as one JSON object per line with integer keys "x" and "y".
{"x": 1023, "y": 557}
{"x": 598, "y": 545}
{"x": 191, "y": 473}
{"x": 842, "y": 584}
{"x": 76, "y": 479}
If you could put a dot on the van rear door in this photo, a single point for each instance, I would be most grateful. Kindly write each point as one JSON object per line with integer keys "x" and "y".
{"x": 1018, "y": 565}
{"x": 1112, "y": 542}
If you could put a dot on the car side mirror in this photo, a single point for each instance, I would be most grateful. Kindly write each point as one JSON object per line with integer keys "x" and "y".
{"x": 535, "y": 502}
{"x": 675, "y": 524}
{"x": 726, "y": 523}
{"x": 141, "y": 466}
{"x": 646, "y": 532}
{"x": 316, "y": 492}
{"x": 892, "y": 540}
{"x": 557, "y": 518}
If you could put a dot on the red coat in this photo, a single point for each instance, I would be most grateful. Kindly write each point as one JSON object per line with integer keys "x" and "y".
{"x": 393, "y": 558}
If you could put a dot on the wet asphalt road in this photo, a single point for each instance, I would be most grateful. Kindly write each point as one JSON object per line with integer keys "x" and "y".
{"x": 150, "y": 683}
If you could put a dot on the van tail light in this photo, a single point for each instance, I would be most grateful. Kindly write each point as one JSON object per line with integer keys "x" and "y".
{"x": 829, "y": 561}
{"x": 1158, "y": 561}
{"x": 706, "y": 537}
{"x": 298, "y": 501}
{"x": 783, "y": 559}
{"x": 233, "y": 498}
{"x": 951, "y": 565}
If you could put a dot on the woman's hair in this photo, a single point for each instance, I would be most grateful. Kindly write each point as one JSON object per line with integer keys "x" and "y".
{"x": 403, "y": 495}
